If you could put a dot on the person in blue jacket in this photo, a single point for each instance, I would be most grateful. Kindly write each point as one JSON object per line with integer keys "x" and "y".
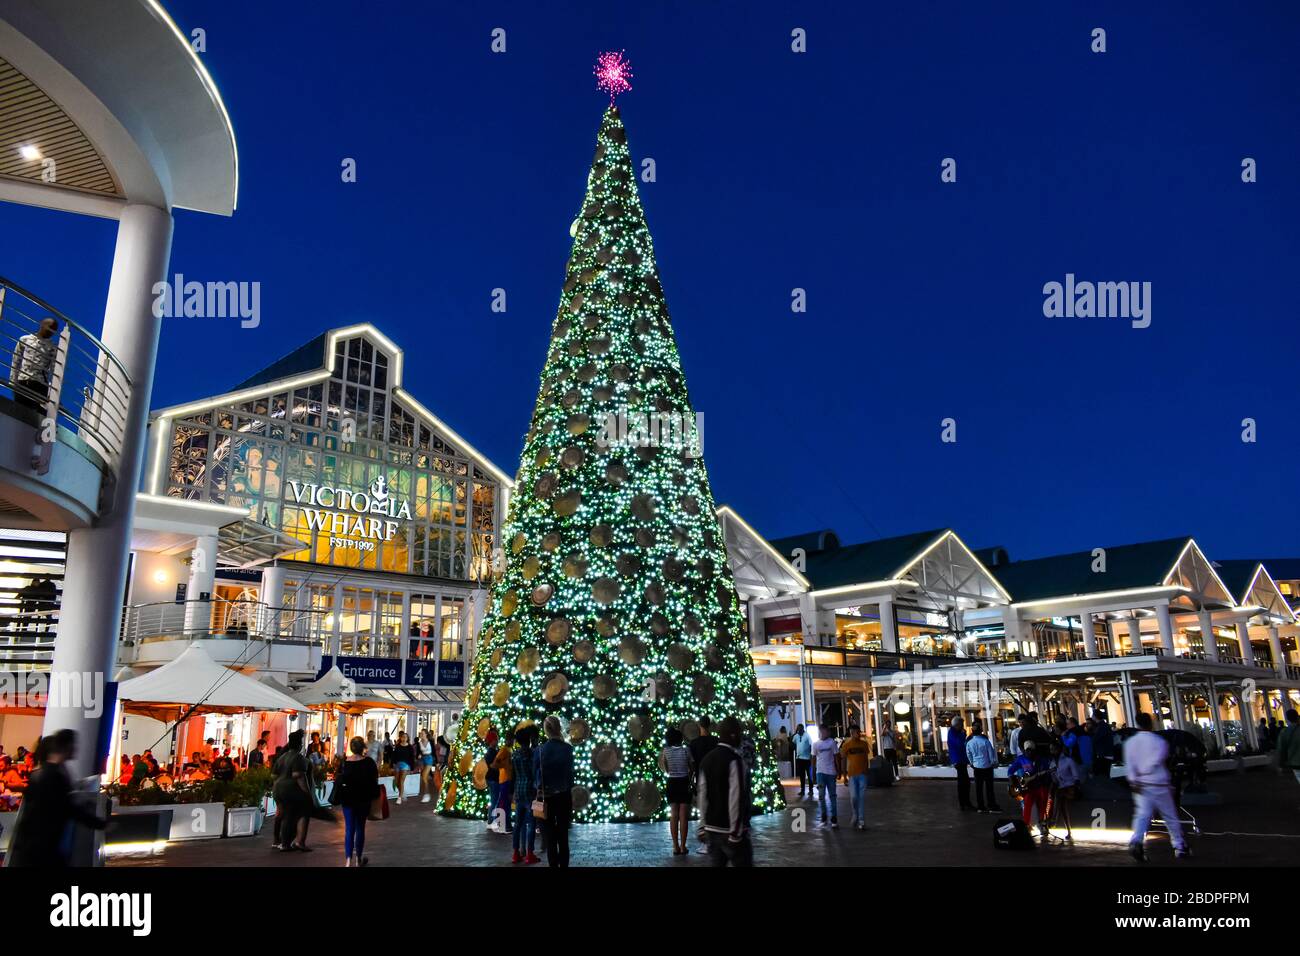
{"x": 957, "y": 757}
{"x": 983, "y": 758}
{"x": 1033, "y": 766}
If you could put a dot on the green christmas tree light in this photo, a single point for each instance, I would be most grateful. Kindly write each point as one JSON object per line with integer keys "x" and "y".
{"x": 614, "y": 607}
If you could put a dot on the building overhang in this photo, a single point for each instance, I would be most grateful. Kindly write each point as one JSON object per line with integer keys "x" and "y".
{"x": 131, "y": 86}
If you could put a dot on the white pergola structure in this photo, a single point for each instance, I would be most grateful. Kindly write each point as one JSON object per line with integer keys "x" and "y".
{"x": 110, "y": 113}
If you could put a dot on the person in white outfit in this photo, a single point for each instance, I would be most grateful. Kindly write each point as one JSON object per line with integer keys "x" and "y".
{"x": 1146, "y": 757}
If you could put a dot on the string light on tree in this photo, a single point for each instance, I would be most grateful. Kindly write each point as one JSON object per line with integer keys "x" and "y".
{"x": 615, "y": 609}
{"x": 613, "y": 74}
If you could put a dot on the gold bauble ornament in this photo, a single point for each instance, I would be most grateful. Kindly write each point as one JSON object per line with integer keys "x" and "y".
{"x": 607, "y": 759}
{"x": 558, "y": 631}
{"x": 556, "y": 686}
{"x": 605, "y": 590}
{"x": 642, "y": 798}
{"x": 567, "y": 504}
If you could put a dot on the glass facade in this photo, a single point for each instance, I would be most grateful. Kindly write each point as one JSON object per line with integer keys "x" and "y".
{"x": 344, "y": 467}
{"x": 397, "y": 523}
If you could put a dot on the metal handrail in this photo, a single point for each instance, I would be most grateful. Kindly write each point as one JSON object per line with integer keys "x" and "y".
{"x": 253, "y": 621}
{"x": 81, "y": 385}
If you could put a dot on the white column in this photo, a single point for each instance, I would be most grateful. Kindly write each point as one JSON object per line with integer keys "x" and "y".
{"x": 1208, "y": 643}
{"x": 1243, "y": 638}
{"x": 1247, "y": 718}
{"x": 271, "y": 597}
{"x": 807, "y": 692}
{"x": 1176, "y": 704}
{"x": 1214, "y": 715}
{"x": 879, "y": 719}
{"x": 1135, "y": 635}
{"x": 1166, "y": 628}
{"x": 1089, "y": 634}
{"x": 1013, "y": 627}
{"x": 888, "y": 629}
{"x": 203, "y": 577}
{"x": 1275, "y": 648}
{"x": 95, "y": 578}
{"x": 808, "y": 620}
{"x": 1130, "y": 700}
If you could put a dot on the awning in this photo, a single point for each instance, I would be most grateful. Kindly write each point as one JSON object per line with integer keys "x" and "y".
{"x": 333, "y": 691}
{"x": 246, "y": 543}
{"x": 195, "y": 680}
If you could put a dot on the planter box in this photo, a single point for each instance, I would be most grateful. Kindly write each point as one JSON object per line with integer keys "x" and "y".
{"x": 190, "y": 821}
{"x": 412, "y": 788}
{"x": 243, "y": 821}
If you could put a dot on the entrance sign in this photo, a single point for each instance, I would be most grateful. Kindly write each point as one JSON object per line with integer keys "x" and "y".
{"x": 371, "y": 671}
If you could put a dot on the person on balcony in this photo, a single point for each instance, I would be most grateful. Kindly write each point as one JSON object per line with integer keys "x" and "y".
{"x": 33, "y": 364}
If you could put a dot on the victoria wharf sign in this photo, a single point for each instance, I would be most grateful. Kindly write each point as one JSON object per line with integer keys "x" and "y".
{"x": 353, "y": 519}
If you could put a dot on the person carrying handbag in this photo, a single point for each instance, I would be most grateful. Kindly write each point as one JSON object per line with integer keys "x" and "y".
{"x": 355, "y": 787}
{"x": 555, "y": 790}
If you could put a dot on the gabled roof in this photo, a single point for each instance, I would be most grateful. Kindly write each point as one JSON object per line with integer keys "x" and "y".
{"x": 313, "y": 362}
{"x": 757, "y": 567}
{"x": 862, "y": 563}
{"x": 808, "y": 542}
{"x": 1280, "y": 569}
{"x": 1147, "y": 564}
{"x": 1252, "y": 585}
{"x": 1238, "y": 575}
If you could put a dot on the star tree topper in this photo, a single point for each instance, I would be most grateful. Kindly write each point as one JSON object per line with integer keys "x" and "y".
{"x": 613, "y": 74}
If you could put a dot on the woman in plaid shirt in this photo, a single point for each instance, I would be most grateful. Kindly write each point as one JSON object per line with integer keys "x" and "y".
{"x": 525, "y": 785}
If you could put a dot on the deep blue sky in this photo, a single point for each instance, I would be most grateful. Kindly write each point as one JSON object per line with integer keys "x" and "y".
{"x": 778, "y": 170}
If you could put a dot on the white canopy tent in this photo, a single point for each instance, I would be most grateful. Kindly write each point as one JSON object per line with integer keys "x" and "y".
{"x": 334, "y": 692}
{"x": 195, "y": 680}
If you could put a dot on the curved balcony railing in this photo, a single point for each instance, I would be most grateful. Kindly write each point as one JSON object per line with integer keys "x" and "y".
{"x": 63, "y": 373}
{"x": 219, "y": 619}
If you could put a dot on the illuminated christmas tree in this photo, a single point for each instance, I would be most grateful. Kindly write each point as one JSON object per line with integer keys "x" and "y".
{"x": 614, "y": 606}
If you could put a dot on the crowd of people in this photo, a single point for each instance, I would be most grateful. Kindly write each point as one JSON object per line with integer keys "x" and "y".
{"x": 530, "y": 789}
{"x": 15, "y": 776}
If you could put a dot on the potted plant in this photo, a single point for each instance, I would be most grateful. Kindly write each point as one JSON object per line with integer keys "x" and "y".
{"x": 243, "y": 799}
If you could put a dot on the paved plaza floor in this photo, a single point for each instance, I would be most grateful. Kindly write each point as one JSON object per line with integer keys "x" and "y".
{"x": 914, "y": 823}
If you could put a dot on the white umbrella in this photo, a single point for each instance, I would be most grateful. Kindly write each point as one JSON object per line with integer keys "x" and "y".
{"x": 195, "y": 680}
